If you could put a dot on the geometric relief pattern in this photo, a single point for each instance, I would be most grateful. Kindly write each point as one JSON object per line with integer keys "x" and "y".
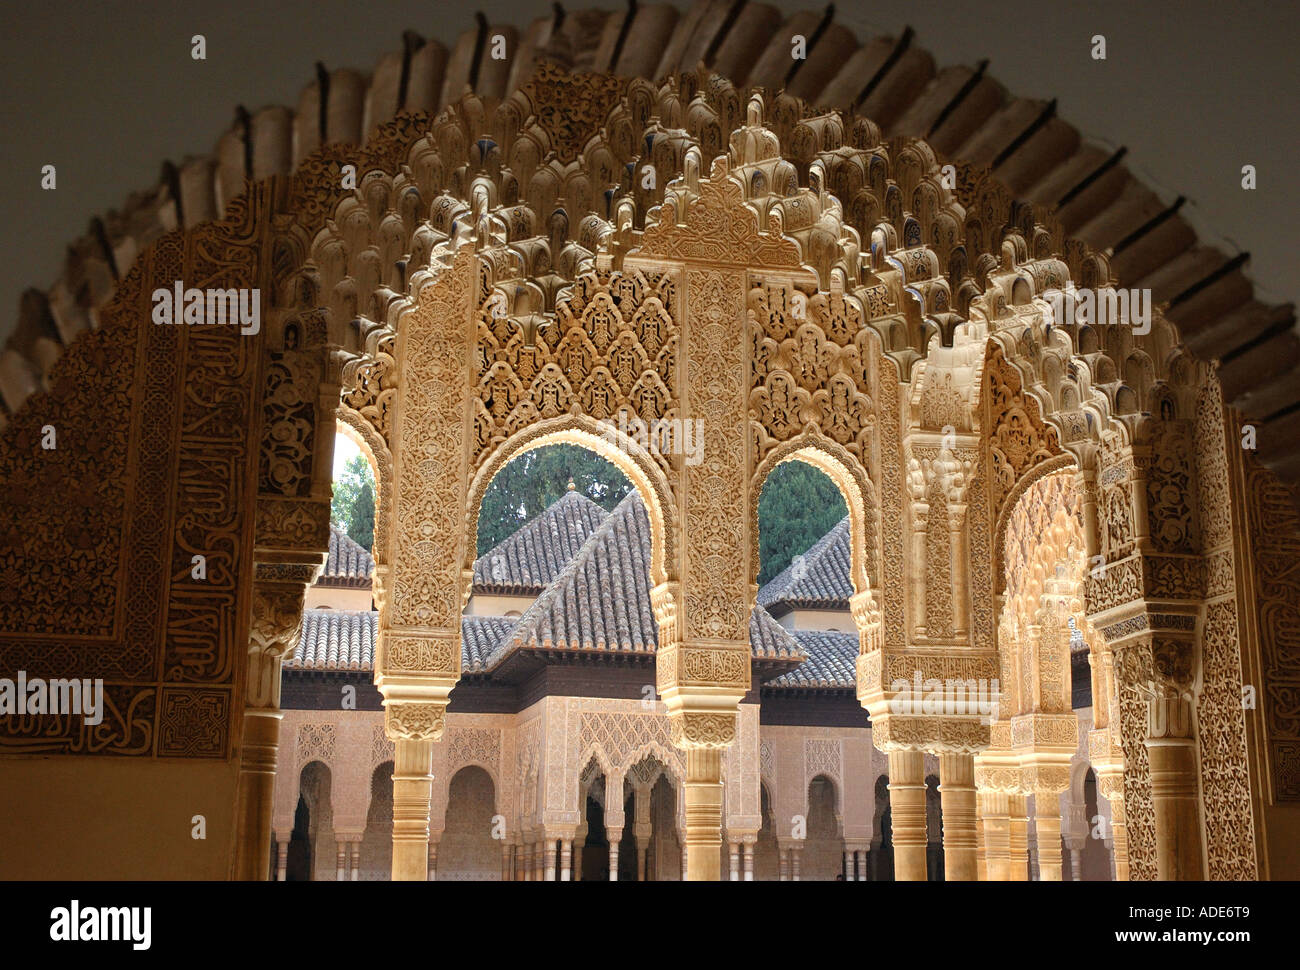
{"x": 620, "y": 735}
{"x": 1133, "y": 671}
{"x": 1274, "y": 524}
{"x": 474, "y": 746}
{"x": 822, "y": 756}
{"x": 610, "y": 350}
{"x": 1221, "y": 731}
{"x": 435, "y": 343}
{"x": 316, "y": 743}
{"x": 715, "y": 577}
{"x": 810, "y": 363}
{"x": 1018, "y": 438}
{"x": 164, "y": 415}
{"x": 767, "y": 761}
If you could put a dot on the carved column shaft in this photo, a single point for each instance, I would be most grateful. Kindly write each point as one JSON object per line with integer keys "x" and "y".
{"x": 273, "y": 635}
{"x": 960, "y": 570}
{"x": 412, "y": 793}
{"x": 997, "y": 835}
{"x": 704, "y": 813}
{"x": 261, "y": 742}
{"x": 1047, "y": 835}
{"x": 957, "y": 797}
{"x": 907, "y": 807}
{"x": 614, "y": 836}
{"x": 1018, "y": 810}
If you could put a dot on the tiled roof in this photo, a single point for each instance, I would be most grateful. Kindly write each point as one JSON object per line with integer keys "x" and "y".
{"x": 769, "y": 639}
{"x": 540, "y": 549}
{"x": 818, "y": 579}
{"x": 345, "y": 640}
{"x": 832, "y": 660}
{"x": 349, "y": 564}
{"x": 598, "y": 600}
{"x": 479, "y": 637}
{"x": 336, "y": 640}
{"x": 601, "y": 598}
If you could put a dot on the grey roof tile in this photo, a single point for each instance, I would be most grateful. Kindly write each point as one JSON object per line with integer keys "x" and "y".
{"x": 336, "y": 640}
{"x": 349, "y": 564}
{"x": 601, "y": 598}
{"x": 832, "y": 661}
{"x": 819, "y": 579}
{"x": 537, "y": 552}
{"x": 479, "y": 637}
{"x": 345, "y": 640}
{"x": 769, "y": 639}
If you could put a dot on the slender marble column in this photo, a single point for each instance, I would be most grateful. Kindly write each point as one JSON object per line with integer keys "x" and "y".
{"x": 957, "y": 798}
{"x": 997, "y": 836}
{"x": 1018, "y": 810}
{"x": 412, "y": 792}
{"x": 614, "y": 837}
{"x": 703, "y": 843}
{"x": 1047, "y": 835}
{"x": 907, "y": 804}
{"x": 1171, "y": 753}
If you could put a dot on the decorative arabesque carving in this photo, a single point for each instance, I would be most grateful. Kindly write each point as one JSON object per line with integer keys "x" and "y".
{"x": 785, "y": 300}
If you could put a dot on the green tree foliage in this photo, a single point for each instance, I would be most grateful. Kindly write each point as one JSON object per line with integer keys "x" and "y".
{"x": 798, "y": 506}
{"x": 527, "y": 485}
{"x": 353, "y": 505}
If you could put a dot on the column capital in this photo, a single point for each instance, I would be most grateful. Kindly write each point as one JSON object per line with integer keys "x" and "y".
{"x": 414, "y": 721}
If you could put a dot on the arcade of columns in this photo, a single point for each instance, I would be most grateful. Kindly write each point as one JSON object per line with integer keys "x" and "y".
{"x": 519, "y": 272}
{"x": 1003, "y": 478}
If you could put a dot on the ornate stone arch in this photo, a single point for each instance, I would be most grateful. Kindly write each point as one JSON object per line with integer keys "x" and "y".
{"x": 612, "y": 444}
{"x": 594, "y": 752}
{"x": 352, "y": 425}
{"x": 854, "y": 485}
{"x": 671, "y": 761}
